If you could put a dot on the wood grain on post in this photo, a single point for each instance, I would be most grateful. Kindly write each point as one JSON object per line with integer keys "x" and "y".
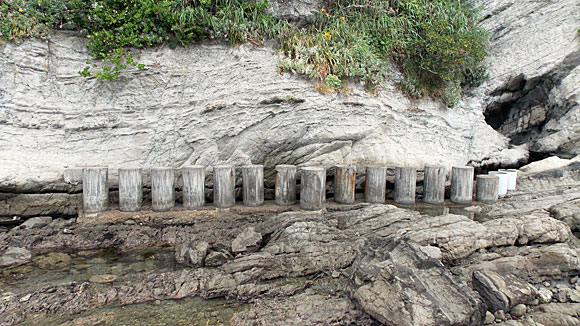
{"x": 193, "y": 186}
{"x": 344, "y": 184}
{"x": 434, "y": 185}
{"x": 253, "y": 185}
{"x": 312, "y": 188}
{"x": 95, "y": 190}
{"x": 486, "y": 188}
{"x": 130, "y": 189}
{"x": 462, "y": 185}
{"x": 375, "y": 184}
{"x": 405, "y": 185}
{"x": 224, "y": 186}
{"x": 285, "y": 184}
{"x": 162, "y": 189}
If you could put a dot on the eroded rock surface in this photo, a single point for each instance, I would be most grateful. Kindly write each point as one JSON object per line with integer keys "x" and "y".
{"x": 356, "y": 264}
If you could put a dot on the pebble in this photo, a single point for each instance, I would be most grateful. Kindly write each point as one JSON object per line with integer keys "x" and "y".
{"x": 499, "y": 315}
{"x": 546, "y": 284}
{"x": 573, "y": 280}
{"x": 573, "y": 295}
{"x": 519, "y": 310}
{"x": 562, "y": 296}
{"x": 105, "y": 278}
{"x": 25, "y": 298}
{"x": 489, "y": 318}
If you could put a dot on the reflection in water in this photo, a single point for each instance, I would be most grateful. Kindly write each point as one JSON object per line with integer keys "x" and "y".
{"x": 113, "y": 265}
{"x": 189, "y": 311}
{"x": 101, "y": 266}
{"x": 448, "y": 208}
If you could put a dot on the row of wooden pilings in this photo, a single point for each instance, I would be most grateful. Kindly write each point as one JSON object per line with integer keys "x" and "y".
{"x": 312, "y": 186}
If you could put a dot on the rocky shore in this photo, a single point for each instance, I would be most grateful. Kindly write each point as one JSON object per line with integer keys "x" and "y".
{"x": 513, "y": 263}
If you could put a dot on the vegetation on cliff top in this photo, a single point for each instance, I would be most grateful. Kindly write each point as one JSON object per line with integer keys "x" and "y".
{"x": 436, "y": 43}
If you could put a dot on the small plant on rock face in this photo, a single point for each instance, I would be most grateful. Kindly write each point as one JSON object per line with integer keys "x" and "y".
{"x": 437, "y": 44}
{"x": 333, "y": 81}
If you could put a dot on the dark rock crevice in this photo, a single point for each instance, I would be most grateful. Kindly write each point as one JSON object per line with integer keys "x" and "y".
{"x": 523, "y": 106}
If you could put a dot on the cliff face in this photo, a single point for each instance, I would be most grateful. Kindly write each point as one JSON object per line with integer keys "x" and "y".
{"x": 206, "y": 105}
{"x": 533, "y": 93}
{"x": 214, "y": 104}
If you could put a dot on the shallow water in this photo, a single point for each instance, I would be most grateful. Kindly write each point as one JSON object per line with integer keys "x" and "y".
{"x": 53, "y": 268}
{"x": 446, "y": 208}
{"x": 109, "y": 265}
{"x": 189, "y": 311}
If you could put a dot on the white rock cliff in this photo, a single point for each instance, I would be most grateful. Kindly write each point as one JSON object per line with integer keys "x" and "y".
{"x": 215, "y": 104}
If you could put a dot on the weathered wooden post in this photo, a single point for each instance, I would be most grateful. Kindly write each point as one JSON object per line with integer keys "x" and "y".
{"x": 434, "y": 185}
{"x": 462, "y": 185}
{"x": 486, "y": 188}
{"x": 193, "y": 186}
{"x": 253, "y": 185}
{"x": 130, "y": 189}
{"x": 344, "y": 184}
{"x": 405, "y": 185}
{"x": 224, "y": 186}
{"x": 375, "y": 184}
{"x": 512, "y": 178}
{"x": 162, "y": 189}
{"x": 285, "y": 184}
{"x": 95, "y": 190}
{"x": 503, "y": 182}
{"x": 312, "y": 188}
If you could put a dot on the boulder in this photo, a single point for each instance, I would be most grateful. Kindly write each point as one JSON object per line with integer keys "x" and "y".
{"x": 247, "y": 241}
{"x": 15, "y": 256}
{"x": 217, "y": 258}
{"x": 502, "y": 292}
{"x": 489, "y": 318}
{"x": 557, "y": 314}
{"x": 568, "y": 212}
{"x": 398, "y": 284}
{"x": 36, "y": 222}
{"x": 192, "y": 253}
{"x": 53, "y": 259}
{"x": 306, "y": 309}
{"x": 518, "y": 310}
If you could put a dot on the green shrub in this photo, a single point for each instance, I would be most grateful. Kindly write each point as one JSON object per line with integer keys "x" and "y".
{"x": 333, "y": 81}
{"x": 437, "y": 44}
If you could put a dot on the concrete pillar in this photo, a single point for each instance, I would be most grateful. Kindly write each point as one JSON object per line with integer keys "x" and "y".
{"x": 344, "y": 184}
{"x": 253, "y": 185}
{"x": 462, "y": 185}
{"x": 162, "y": 189}
{"x": 285, "y": 184}
{"x": 95, "y": 190}
{"x": 224, "y": 186}
{"x": 312, "y": 188}
{"x": 512, "y": 178}
{"x": 434, "y": 185}
{"x": 375, "y": 184}
{"x": 130, "y": 189}
{"x": 503, "y": 182}
{"x": 486, "y": 188}
{"x": 193, "y": 186}
{"x": 405, "y": 185}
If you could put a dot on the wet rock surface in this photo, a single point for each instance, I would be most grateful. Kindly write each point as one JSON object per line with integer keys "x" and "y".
{"x": 14, "y": 256}
{"x": 359, "y": 264}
